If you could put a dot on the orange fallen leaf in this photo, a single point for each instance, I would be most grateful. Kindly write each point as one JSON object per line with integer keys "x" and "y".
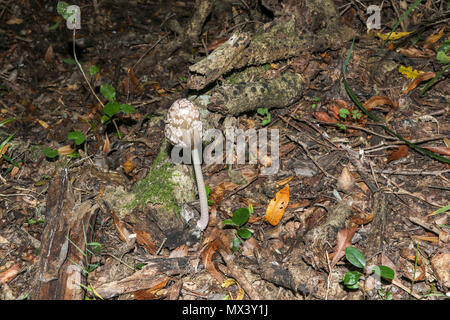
{"x": 284, "y": 181}
{"x": 128, "y": 166}
{"x": 219, "y": 192}
{"x": 435, "y": 38}
{"x": 343, "y": 240}
{"x": 399, "y": 153}
{"x": 143, "y": 238}
{"x": 376, "y": 101}
{"x": 323, "y": 116}
{"x": 422, "y": 77}
{"x": 7, "y": 275}
{"x": 122, "y": 231}
{"x": 277, "y": 206}
{"x": 150, "y": 294}
{"x": 440, "y": 150}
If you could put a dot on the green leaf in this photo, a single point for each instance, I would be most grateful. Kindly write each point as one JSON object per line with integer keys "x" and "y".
{"x": 236, "y": 244}
{"x": 111, "y": 109}
{"x": 54, "y": 27}
{"x": 262, "y": 111}
{"x": 229, "y": 222}
{"x": 140, "y": 265}
{"x": 384, "y": 272}
{"x": 108, "y": 92}
{"x": 267, "y": 120}
{"x": 73, "y": 155}
{"x": 441, "y": 53}
{"x": 69, "y": 61}
{"x": 77, "y": 136}
{"x": 50, "y": 153}
{"x": 441, "y": 210}
{"x": 343, "y": 112}
{"x": 105, "y": 119}
{"x": 240, "y": 216}
{"x": 93, "y": 70}
{"x": 244, "y": 233}
{"x": 61, "y": 8}
{"x": 126, "y": 108}
{"x": 351, "y": 278}
{"x": 355, "y": 257}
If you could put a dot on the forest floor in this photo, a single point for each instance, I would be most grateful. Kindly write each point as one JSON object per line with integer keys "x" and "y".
{"x": 333, "y": 158}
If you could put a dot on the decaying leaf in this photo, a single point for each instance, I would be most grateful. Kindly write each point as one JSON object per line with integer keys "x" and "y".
{"x": 277, "y": 206}
{"x": 399, "y": 153}
{"x": 393, "y": 35}
{"x": 122, "y": 231}
{"x": 217, "y": 240}
{"x": 151, "y": 293}
{"x": 128, "y": 166}
{"x": 219, "y": 191}
{"x": 284, "y": 181}
{"x": 376, "y": 101}
{"x": 435, "y": 37}
{"x": 65, "y": 150}
{"x": 181, "y": 251}
{"x": 229, "y": 282}
{"x": 422, "y": 77}
{"x": 323, "y": 116}
{"x": 345, "y": 181}
{"x": 344, "y": 240}
{"x": 440, "y": 150}
{"x": 7, "y": 275}
{"x": 142, "y": 237}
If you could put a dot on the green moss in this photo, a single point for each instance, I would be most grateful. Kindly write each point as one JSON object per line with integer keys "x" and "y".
{"x": 157, "y": 186}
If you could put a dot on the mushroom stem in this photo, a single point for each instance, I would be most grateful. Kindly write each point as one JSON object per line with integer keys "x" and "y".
{"x": 204, "y": 216}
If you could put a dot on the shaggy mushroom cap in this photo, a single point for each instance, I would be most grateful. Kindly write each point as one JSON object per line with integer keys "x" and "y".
{"x": 183, "y": 119}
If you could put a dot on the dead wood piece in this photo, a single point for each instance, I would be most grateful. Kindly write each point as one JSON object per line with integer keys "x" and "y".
{"x": 237, "y": 273}
{"x": 234, "y": 99}
{"x": 378, "y": 226}
{"x": 58, "y": 277}
{"x": 219, "y": 62}
{"x": 152, "y": 274}
{"x": 323, "y": 236}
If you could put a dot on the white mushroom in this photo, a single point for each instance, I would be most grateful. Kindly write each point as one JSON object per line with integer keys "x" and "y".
{"x": 184, "y": 128}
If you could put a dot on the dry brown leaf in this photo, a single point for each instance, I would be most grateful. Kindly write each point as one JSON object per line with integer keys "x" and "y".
{"x": 181, "y": 251}
{"x": 65, "y": 150}
{"x": 218, "y": 193}
{"x": 7, "y": 275}
{"x": 49, "y": 55}
{"x": 150, "y": 294}
{"x": 284, "y": 181}
{"x": 122, "y": 231}
{"x": 361, "y": 218}
{"x": 399, "y": 153}
{"x": 207, "y": 255}
{"x": 376, "y": 101}
{"x": 343, "y": 240}
{"x": 277, "y": 206}
{"x": 323, "y": 116}
{"x": 345, "y": 181}
{"x": 144, "y": 239}
{"x": 440, "y": 150}
{"x": 435, "y": 37}
{"x": 128, "y": 166}
{"x": 421, "y": 77}
{"x": 106, "y": 145}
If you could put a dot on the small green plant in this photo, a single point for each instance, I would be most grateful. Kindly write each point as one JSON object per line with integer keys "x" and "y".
{"x": 78, "y": 137}
{"x": 264, "y": 112}
{"x": 384, "y": 294}
{"x": 112, "y": 108}
{"x": 208, "y": 192}
{"x": 356, "y": 114}
{"x": 357, "y": 259}
{"x": 343, "y": 112}
{"x": 316, "y": 100}
{"x": 341, "y": 126}
{"x": 240, "y": 217}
